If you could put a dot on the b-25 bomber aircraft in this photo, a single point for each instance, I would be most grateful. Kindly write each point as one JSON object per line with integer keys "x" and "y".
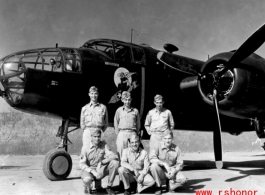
{"x": 225, "y": 93}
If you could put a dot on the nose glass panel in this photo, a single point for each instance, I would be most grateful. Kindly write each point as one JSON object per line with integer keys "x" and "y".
{"x": 12, "y": 78}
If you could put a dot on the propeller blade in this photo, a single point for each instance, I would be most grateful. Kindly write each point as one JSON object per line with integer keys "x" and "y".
{"x": 247, "y": 48}
{"x": 217, "y": 135}
{"x": 169, "y": 61}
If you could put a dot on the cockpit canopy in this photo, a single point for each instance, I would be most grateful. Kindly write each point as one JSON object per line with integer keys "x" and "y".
{"x": 117, "y": 50}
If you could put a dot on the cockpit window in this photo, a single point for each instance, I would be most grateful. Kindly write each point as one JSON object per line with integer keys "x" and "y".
{"x": 138, "y": 55}
{"x": 104, "y": 47}
{"x": 122, "y": 52}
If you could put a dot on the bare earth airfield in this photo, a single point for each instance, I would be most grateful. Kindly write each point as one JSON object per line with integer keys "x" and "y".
{"x": 243, "y": 171}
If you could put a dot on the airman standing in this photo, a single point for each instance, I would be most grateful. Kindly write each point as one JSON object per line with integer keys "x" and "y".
{"x": 94, "y": 116}
{"x": 157, "y": 121}
{"x": 126, "y": 122}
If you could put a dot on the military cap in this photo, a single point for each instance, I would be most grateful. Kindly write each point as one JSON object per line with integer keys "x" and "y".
{"x": 93, "y": 89}
{"x": 158, "y": 97}
{"x": 95, "y": 132}
{"x": 167, "y": 132}
{"x": 134, "y": 136}
{"x": 126, "y": 94}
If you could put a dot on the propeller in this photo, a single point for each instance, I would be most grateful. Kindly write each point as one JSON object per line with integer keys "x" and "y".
{"x": 217, "y": 135}
{"x": 246, "y": 49}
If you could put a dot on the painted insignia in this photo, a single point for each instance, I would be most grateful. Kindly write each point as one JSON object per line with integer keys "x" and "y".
{"x": 124, "y": 81}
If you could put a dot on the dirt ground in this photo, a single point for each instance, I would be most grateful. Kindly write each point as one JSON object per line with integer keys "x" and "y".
{"x": 242, "y": 171}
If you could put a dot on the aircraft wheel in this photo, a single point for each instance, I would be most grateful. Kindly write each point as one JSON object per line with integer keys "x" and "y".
{"x": 57, "y": 165}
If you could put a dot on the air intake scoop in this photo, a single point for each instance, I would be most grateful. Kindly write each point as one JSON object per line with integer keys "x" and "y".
{"x": 170, "y": 48}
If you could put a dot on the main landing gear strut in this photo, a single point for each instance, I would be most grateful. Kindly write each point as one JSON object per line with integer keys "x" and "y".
{"x": 259, "y": 127}
{"x": 57, "y": 164}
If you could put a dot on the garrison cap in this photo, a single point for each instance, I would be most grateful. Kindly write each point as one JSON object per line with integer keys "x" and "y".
{"x": 93, "y": 89}
{"x": 126, "y": 94}
{"x": 167, "y": 132}
{"x": 134, "y": 136}
{"x": 95, "y": 132}
{"x": 158, "y": 97}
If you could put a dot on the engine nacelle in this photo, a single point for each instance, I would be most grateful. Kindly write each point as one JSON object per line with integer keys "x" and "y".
{"x": 241, "y": 91}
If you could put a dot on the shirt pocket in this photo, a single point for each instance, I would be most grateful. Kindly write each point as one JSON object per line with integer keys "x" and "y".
{"x": 101, "y": 113}
{"x": 155, "y": 118}
{"x": 88, "y": 116}
{"x": 133, "y": 117}
{"x": 164, "y": 116}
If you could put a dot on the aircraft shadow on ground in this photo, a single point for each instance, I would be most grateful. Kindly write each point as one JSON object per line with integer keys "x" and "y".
{"x": 73, "y": 178}
{"x": 206, "y": 164}
{"x": 191, "y": 185}
{"x": 245, "y": 173}
{"x": 259, "y": 155}
{"x": 12, "y": 167}
{"x": 257, "y": 167}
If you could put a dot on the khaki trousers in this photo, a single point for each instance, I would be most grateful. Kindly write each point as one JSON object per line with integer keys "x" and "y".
{"x": 155, "y": 138}
{"x": 159, "y": 174}
{"x": 110, "y": 169}
{"x": 122, "y": 140}
{"x": 127, "y": 177}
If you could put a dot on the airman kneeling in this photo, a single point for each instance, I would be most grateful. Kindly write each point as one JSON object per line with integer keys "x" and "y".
{"x": 96, "y": 162}
{"x": 167, "y": 164}
{"x": 135, "y": 167}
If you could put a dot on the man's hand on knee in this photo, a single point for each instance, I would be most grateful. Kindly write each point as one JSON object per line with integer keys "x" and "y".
{"x": 172, "y": 173}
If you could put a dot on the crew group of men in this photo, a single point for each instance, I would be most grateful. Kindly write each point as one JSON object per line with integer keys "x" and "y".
{"x": 134, "y": 164}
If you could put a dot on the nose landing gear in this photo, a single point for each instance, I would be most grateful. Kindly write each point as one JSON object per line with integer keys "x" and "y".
{"x": 57, "y": 164}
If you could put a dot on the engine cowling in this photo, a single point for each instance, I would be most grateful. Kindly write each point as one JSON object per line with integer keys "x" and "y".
{"x": 241, "y": 91}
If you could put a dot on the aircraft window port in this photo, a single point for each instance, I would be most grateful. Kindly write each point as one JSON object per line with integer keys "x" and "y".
{"x": 122, "y": 52}
{"x": 72, "y": 60}
{"x": 138, "y": 55}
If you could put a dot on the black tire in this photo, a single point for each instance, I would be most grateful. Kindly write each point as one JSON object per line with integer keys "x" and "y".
{"x": 57, "y": 165}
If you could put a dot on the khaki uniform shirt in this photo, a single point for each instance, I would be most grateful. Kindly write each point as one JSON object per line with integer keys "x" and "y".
{"x": 126, "y": 119}
{"x": 93, "y": 155}
{"x": 171, "y": 155}
{"x": 135, "y": 160}
{"x": 94, "y": 115}
{"x": 159, "y": 121}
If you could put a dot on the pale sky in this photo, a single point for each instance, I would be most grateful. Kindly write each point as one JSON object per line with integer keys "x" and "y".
{"x": 207, "y": 26}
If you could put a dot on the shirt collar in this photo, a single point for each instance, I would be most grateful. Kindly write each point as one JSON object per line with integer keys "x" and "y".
{"x": 93, "y": 104}
{"x": 139, "y": 151}
{"x": 164, "y": 147}
{"x": 93, "y": 146}
{"x": 126, "y": 109}
{"x": 163, "y": 109}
